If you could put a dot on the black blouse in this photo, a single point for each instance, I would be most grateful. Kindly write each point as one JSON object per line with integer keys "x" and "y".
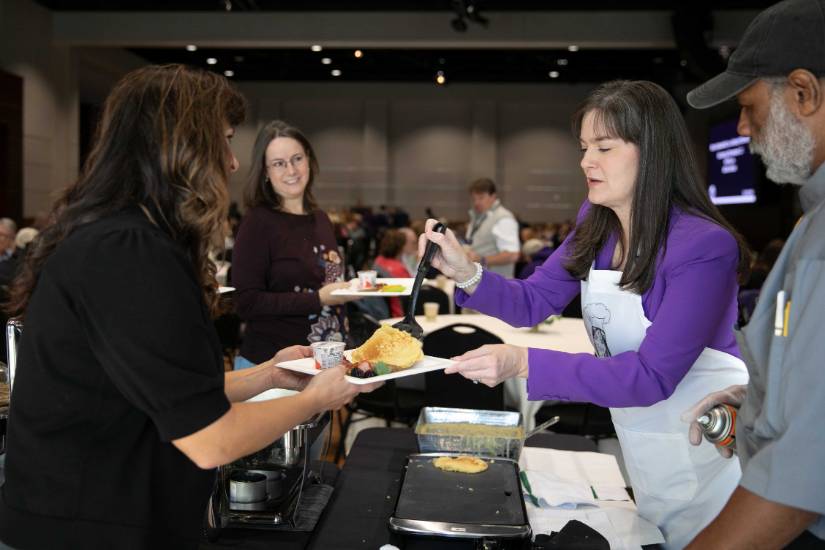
{"x": 118, "y": 357}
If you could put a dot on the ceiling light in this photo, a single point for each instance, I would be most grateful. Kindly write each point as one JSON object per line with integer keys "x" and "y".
{"x": 358, "y": 53}
{"x": 191, "y": 48}
{"x": 440, "y": 78}
{"x": 335, "y": 72}
{"x": 326, "y": 60}
{"x": 554, "y": 74}
{"x": 228, "y": 73}
{"x": 561, "y": 62}
{"x": 572, "y": 48}
{"x": 211, "y": 61}
{"x": 239, "y": 59}
{"x": 316, "y": 48}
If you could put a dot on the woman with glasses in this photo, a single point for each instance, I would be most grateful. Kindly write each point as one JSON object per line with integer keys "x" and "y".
{"x": 285, "y": 261}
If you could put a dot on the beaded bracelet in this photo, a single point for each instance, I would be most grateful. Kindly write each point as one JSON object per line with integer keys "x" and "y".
{"x": 472, "y": 280}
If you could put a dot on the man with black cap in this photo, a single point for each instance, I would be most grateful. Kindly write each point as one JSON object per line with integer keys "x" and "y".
{"x": 778, "y": 77}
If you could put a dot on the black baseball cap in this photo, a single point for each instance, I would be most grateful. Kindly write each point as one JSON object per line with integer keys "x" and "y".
{"x": 788, "y": 35}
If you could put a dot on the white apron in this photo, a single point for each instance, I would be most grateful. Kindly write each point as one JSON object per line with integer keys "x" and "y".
{"x": 677, "y": 486}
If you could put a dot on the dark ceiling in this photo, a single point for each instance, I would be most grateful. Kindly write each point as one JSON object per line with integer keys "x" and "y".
{"x": 388, "y": 5}
{"x": 422, "y": 65}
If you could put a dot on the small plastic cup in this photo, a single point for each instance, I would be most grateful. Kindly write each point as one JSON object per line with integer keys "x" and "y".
{"x": 441, "y": 281}
{"x": 327, "y": 354}
{"x": 431, "y": 311}
{"x": 367, "y": 279}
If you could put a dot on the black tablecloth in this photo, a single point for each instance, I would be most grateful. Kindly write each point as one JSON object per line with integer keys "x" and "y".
{"x": 369, "y": 484}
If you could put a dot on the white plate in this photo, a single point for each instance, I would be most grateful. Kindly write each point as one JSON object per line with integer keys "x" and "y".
{"x": 225, "y": 289}
{"x": 307, "y": 366}
{"x": 353, "y": 290}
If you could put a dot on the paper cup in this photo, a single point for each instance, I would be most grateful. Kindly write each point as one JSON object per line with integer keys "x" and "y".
{"x": 367, "y": 279}
{"x": 431, "y": 311}
{"x": 328, "y": 354}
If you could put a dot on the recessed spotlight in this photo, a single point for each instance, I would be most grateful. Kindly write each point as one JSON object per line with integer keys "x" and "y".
{"x": 335, "y": 72}
{"x": 572, "y": 48}
{"x": 229, "y": 73}
{"x": 561, "y": 62}
{"x": 326, "y": 61}
{"x": 440, "y": 78}
{"x": 553, "y": 74}
{"x": 211, "y": 61}
{"x": 191, "y": 48}
{"x": 358, "y": 54}
{"x": 316, "y": 48}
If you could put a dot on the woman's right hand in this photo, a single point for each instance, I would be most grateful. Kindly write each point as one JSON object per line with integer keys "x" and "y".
{"x": 327, "y": 299}
{"x": 331, "y": 391}
{"x": 450, "y": 258}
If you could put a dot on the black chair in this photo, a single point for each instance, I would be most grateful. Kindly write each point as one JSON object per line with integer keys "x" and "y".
{"x": 453, "y": 390}
{"x": 575, "y": 418}
{"x": 432, "y": 294}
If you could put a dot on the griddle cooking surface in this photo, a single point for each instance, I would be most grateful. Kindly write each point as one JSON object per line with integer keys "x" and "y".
{"x": 430, "y": 494}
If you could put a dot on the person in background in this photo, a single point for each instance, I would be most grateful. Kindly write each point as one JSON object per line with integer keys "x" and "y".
{"x": 8, "y": 258}
{"x": 122, "y": 409}
{"x": 536, "y": 252}
{"x": 493, "y": 230}
{"x": 657, "y": 266}
{"x": 763, "y": 264}
{"x": 389, "y": 262}
{"x": 285, "y": 261}
{"x": 409, "y": 254}
{"x": 777, "y": 74}
{"x": 24, "y": 236}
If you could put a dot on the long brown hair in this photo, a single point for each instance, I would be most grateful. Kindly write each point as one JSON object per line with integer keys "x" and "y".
{"x": 259, "y": 191}
{"x": 644, "y": 114}
{"x": 159, "y": 144}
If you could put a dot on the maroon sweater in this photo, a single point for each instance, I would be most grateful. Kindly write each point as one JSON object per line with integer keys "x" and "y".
{"x": 279, "y": 262}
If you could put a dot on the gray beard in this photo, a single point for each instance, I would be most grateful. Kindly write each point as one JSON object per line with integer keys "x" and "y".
{"x": 786, "y": 145}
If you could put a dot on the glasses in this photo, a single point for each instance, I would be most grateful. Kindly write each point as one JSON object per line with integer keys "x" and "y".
{"x": 280, "y": 165}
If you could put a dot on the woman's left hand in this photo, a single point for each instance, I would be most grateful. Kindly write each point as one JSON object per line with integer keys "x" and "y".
{"x": 287, "y": 379}
{"x": 491, "y": 364}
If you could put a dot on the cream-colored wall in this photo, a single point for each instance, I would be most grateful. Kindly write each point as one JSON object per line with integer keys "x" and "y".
{"x": 55, "y": 79}
{"x": 50, "y": 100}
{"x": 417, "y": 145}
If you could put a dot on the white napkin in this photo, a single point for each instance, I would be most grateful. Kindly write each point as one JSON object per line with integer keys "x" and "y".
{"x": 555, "y": 492}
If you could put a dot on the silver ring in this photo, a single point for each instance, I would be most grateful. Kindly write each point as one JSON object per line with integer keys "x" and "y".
{"x": 475, "y": 381}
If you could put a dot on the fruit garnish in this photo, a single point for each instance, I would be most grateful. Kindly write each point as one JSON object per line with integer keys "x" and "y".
{"x": 393, "y": 288}
{"x": 381, "y": 368}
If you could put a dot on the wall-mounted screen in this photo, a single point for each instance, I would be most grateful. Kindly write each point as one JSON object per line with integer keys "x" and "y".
{"x": 731, "y": 172}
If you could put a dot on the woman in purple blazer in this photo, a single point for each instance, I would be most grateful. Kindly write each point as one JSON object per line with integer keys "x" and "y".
{"x": 656, "y": 265}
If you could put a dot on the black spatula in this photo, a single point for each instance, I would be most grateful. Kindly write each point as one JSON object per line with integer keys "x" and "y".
{"x": 408, "y": 323}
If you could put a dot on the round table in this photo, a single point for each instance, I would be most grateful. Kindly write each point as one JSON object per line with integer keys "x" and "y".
{"x": 562, "y": 334}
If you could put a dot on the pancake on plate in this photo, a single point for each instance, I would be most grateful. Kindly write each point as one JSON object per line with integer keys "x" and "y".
{"x": 464, "y": 464}
{"x": 389, "y": 350}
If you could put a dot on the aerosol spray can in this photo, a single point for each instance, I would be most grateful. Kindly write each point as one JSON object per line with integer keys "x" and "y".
{"x": 719, "y": 425}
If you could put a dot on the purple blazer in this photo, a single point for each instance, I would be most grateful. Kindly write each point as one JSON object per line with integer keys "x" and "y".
{"x": 692, "y": 305}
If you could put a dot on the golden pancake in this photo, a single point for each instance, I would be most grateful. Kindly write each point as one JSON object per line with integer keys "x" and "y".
{"x": 464, "y": 464}
{"x": 394, "y": 348}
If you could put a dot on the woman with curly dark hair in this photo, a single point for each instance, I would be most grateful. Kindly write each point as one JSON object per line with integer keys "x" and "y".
{"x": 121, "y": 408}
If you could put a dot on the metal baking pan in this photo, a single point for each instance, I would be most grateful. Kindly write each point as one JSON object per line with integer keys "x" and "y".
{"x": 436, "y": 503}
{"x": 488, "y": 445}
